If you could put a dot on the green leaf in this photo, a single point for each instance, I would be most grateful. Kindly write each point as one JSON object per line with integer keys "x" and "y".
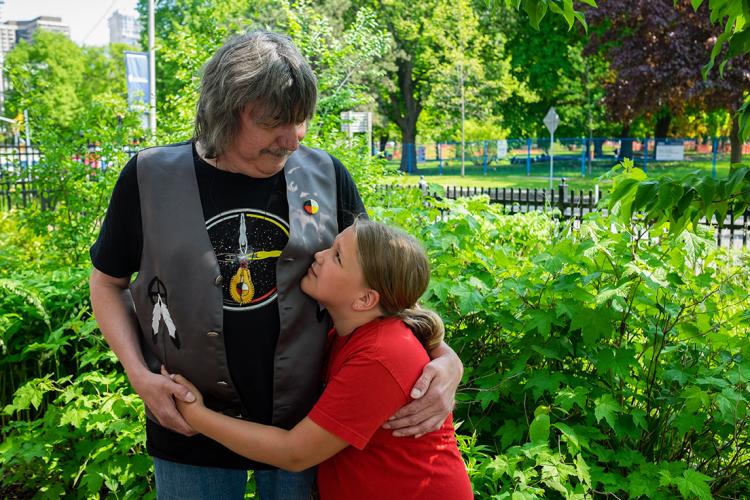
{"x": 646, "y": 193}
{"x": 739, "y": 43}
{"x": 582, "y": 470}
{"x": 539, "y": 429}
{"x": 606, "y": 408}
{"x": 676, "y": 375}
{"x": 618, "y": 361}
{"x": 695, "y": 398}
{"x": 641, "y": 485}
{"x": 542, "y": 382}
{"x": 511, "y": 432}
{"x": 541, "y": 321}
{"x": 487, "y": 397}
{"x": 597, "y": 325}
{"x": 570, "y": 436}
{"x": 535, "y": 10}
{"x": 693, "y": 483}
{"x": 686, "y": 422}
{"x": 567, "y": 397}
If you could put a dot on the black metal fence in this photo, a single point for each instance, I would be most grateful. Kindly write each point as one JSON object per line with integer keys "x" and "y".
{"x": 571, "y": 203}
{"x": 18, "y": 161}
{"x": 735, "y": 232}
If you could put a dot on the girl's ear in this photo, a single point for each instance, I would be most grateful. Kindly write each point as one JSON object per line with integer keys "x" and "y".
{"x": 366, "y": 300}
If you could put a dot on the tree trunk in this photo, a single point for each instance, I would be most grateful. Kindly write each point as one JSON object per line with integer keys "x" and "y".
{"x": 405, "y": 112}
{"x": 383, "y": 141}
{"x": 409, "y": 150}
{"x": 626, "y": 143}
{"x": 663, "y": 120}
{"x": 734, "y": 139}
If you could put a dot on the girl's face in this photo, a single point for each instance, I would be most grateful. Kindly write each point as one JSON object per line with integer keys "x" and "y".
{"x": 335, "y": 276}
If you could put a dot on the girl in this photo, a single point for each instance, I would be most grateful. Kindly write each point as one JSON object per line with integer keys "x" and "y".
{"x": 369, "y": 281}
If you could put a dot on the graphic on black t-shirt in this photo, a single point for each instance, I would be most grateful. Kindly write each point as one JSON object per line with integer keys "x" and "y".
{"x": 248, "y": 243}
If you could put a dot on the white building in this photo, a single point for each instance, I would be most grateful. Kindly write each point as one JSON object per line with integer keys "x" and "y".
{"x": 25, "y": 29}
{"x": 11, "y": 32}
{"x": 124, "y": 28}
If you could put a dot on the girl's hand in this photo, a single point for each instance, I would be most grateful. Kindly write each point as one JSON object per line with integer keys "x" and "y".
{"x": 182, "y": 406}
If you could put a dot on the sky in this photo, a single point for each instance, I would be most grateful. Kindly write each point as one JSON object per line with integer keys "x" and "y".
{"x": 87, "y": 18}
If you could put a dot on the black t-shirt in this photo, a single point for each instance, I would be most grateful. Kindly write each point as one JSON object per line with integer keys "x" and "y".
{"x": 232, "y": 204}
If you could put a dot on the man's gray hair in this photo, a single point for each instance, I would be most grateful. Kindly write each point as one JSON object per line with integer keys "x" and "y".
{"x": 261, "y": 68}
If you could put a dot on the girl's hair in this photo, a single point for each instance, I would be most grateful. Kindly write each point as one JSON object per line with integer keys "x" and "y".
{"x": 395, "y": 265}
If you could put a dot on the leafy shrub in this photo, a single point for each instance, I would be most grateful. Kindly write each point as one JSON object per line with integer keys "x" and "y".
{"x": 605, "y": 358}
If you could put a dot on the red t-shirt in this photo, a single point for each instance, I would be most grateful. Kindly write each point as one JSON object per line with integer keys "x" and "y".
{"x": 369, "y": 376}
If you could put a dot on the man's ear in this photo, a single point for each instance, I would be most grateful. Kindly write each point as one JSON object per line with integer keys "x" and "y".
{"x": 366, "y": 300}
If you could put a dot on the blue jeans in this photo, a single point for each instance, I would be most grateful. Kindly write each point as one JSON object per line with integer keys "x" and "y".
{"x": 175, "y": 481}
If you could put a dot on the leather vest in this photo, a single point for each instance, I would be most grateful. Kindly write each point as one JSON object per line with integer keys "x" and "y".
{"x": 178, "y": 290}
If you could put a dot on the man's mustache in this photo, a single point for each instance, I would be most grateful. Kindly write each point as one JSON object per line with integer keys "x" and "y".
{"x": 279, "y": 153}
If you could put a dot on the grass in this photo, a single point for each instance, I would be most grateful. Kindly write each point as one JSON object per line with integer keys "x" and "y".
{"x": 515, "y": 175}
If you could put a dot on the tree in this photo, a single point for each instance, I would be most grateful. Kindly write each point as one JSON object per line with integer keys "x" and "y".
{"x": 480, "y": 82}
{"x": 657, "y": 50}
{"x": 419, "y": 45}
{"x": 44, "y": 77}
{"x": 56, "y": 81}
{"x": 559, "y": 74}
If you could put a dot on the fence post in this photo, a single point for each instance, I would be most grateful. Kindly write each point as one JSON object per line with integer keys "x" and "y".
{"x": 484, "y": 163}
{"x": 528, "y": 156}
{"x": 645, "y": 154}
{"x": 583, "y": 158}
{"x": 715, "y": 152}
{"x": 440, "y": 159}
{"x": 562, "y": 193}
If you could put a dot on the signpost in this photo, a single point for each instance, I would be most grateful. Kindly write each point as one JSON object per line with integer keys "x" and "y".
{"x": 357, "y": 122}
{"x": 552, "y": 120}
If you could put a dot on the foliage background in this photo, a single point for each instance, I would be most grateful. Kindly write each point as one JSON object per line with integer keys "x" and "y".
{"x": 606, "y": 358}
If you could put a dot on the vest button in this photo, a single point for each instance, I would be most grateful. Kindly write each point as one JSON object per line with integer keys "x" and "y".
{"x": 213, "y": 334}
{"x": 223, "y": 383}
{"x": 219, "y": 280}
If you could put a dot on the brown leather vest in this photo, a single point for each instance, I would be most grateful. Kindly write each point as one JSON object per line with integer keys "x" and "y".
{"x": 177, "y": 253}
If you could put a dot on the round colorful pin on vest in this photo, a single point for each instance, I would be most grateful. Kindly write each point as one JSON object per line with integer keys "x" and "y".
{"x": 311, "y": 207}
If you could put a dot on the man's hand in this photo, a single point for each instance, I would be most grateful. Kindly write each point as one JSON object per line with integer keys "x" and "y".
{"x": 434, "y": 394}
{"x": 185, "y": 408}
{"x": 159, "y": 393}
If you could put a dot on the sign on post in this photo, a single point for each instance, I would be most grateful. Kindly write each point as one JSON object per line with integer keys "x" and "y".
{"x": 354, "y": 122}
{"x": 136, "y": 74}
{"x": 502, "y": 149}
{"x": 670, "y": 151}
{"x": 552, "y": 120}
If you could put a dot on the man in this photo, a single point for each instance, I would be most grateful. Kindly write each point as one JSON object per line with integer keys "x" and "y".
{"x": 220, "y": 230}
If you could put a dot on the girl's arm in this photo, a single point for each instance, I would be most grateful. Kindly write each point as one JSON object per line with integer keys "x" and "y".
{"x": 307, "y": 444}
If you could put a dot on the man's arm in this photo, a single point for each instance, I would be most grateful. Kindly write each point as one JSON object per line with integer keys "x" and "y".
{"x": 434, "y": 395}
{"x": 114, "y": 312}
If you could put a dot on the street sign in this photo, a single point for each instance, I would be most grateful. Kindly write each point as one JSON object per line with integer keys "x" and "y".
{"x": 552, "y": 120}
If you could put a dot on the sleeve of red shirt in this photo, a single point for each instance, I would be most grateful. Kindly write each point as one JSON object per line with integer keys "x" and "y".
{"x": 358, "y": 400}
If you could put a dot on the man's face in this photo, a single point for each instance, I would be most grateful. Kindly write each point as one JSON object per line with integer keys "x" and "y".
{"x": 261, "y": 150}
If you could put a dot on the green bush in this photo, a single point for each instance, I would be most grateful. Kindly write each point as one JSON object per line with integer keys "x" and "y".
{"x": 606, "y": 358}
